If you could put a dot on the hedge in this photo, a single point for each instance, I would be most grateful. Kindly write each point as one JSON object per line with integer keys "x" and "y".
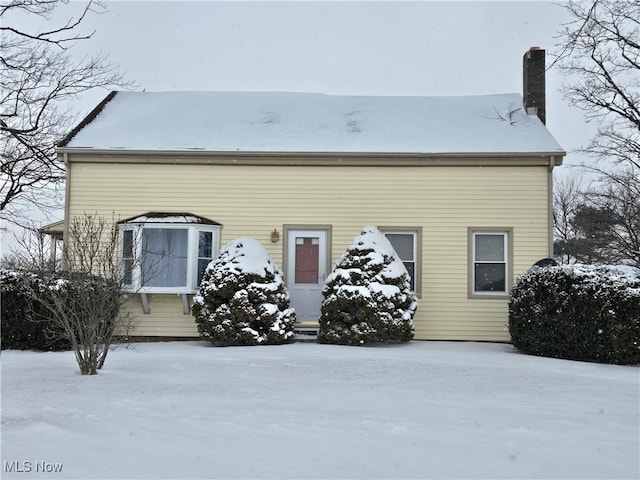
{"x": 25, "y": 323}
{"x": 580, "y": 312}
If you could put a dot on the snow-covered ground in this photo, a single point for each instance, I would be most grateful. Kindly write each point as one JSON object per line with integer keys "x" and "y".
{"x": 420, "y": 410}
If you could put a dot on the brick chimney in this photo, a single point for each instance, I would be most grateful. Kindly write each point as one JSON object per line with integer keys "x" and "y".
{"x": 533, "y": 82}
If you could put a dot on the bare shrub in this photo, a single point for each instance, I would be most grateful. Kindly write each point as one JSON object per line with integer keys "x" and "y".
{"x": 84, "y": 300}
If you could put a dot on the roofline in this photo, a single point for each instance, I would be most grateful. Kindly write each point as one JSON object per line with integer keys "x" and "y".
{"x": 92, "y": 155}
{"x": 54, "y": 229}
{"x": 157, "y": 217}
{"x": 88, "y": 119}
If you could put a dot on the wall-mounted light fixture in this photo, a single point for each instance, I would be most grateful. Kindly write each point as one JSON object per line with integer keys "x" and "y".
{"x": 275, "y": 236}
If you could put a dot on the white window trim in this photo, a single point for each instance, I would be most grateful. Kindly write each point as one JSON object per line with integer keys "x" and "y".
{"x": 507, "y": 234}
{"x": 417, "y": 250}
{"x": 193, "y": 230}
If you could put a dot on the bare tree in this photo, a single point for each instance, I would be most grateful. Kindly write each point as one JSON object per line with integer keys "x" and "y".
{"x": 85, "y": 300}
{"x": 618, "y": 194}
{"x": 600, "y": 52}
{"x": 92, "y": 246}
{"x": 599, "y": 222}
{"x": 38, "y": 75}
{"x": 84, "y": 309}
{"x": 568, "y": 196}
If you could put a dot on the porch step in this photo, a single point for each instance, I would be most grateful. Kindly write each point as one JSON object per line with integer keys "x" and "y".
{"x": 306, "y": 326}
{"x": 306, "y": 338}
{"x": 306, "y": 331}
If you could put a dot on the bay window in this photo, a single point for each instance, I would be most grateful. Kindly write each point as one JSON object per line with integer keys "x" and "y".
{"x": 166, "y": 253}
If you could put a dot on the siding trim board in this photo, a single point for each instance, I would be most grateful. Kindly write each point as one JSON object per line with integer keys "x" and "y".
{"x": 550, "y": 207}
{"x": 67, "y": 204}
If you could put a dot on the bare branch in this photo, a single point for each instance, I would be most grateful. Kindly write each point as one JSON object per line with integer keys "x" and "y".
{"x": 599, "y": 223}
{"x": 37, "y": 79}
{"x": 600, "y": 52}
{"x": 84, "y": 301}
{"x": 44, "y": 8}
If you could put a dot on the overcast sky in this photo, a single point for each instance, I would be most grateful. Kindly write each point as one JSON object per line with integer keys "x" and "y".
{"x": 351, "y": 48}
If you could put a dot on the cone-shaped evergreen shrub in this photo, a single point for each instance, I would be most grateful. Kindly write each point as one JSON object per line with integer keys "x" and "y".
{"x": 243, "y": 299}
{"x": 367, "y": 297}
{"x": 581, "y": 312}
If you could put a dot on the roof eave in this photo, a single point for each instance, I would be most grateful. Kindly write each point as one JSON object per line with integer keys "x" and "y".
{"x": 55, "y": 229}
{"x": 162, "y": 218}
{"x": 268, "y": 154}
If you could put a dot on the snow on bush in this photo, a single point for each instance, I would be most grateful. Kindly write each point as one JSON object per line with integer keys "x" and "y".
{"x": 579, "y": 312}
{"x": 243, "y": 299}
{"x": 26, "y": 324}
{"x": 367, "y": 297}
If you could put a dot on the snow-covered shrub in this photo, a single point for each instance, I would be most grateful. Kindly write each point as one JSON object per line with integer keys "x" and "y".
{"x": 26, "y": 324}
{"x": 367, "y": 297}
{"x": 243, "y": 299}
{"x": 579, "y": 312}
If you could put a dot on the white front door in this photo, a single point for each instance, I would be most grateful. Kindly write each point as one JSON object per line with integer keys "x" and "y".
{"x": 307, "y": 263}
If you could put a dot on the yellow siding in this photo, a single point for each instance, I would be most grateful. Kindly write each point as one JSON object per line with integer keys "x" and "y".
{"x": 166, "y": 318}
{"x": 253, "y": 200}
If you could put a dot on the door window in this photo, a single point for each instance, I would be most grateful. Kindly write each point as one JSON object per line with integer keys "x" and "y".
{"x": 307, "y": 259}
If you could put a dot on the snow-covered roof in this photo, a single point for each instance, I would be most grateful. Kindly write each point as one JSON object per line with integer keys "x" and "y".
{"x": 55, "y": 228}
{"x": 168, "y": 217}
{"x": 312, "y": 123}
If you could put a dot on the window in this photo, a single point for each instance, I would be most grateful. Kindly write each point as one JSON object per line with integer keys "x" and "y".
{"x": 406, "y": 241}
{"x": 489, "y": 263}
{"x": 127, "y": 256}
{"x": 205, "y": 251}
{"x": 166, "y": 253}
{"x": 307, "y": 260}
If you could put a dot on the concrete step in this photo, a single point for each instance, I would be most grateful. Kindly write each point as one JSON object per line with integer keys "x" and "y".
{"x": 306, "y": 337}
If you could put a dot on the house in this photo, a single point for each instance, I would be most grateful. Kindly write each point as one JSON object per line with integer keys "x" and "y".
{"x": 462, "y": 187}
